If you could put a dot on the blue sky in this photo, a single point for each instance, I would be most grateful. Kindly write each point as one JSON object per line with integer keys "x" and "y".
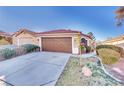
{"x": 99, "y": 20}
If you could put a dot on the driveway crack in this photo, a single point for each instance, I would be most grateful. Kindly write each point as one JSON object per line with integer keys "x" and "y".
{"x": 47, "y": 82}
{"x": 6, "y": 82}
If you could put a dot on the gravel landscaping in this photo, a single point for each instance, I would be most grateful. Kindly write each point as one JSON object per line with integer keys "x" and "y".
{"x": 73, "y": 76}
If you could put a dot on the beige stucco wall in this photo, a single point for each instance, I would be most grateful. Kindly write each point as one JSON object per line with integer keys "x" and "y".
{"x": 25, "y": 35}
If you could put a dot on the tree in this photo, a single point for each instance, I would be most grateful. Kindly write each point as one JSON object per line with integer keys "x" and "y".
{"x": 93, "y": 43}
{"x": 91, "y": 35}
{"x": 120, "y": 15}
{"x": 1, "y": 37}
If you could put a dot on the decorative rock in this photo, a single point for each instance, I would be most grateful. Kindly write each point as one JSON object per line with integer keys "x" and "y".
{"x": 86, "y": 71}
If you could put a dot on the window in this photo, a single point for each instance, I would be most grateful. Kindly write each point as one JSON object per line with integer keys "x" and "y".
{"x": 84, "y": 41}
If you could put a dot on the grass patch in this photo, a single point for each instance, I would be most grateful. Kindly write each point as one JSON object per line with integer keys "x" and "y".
{"x": 108, "y": 56}
{"x": 3, "y": 42}
{"x": 72, "y": 75}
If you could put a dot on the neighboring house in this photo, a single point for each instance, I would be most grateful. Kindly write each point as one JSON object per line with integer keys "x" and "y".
{"x": 121, "y": 45}
{"x": 118, "y": 41}
{"x": 55, "y": 40}
{"x": 25, "y": 36}
{"x": 5, "y": 38}
{"x": 115, "y": 41}
{"x": 4, "y": 34}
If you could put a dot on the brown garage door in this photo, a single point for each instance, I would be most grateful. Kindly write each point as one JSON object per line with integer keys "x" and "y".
{"x": 57, "y": 44}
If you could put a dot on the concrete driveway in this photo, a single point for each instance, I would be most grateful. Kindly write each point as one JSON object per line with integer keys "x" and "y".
{"x": 34, "y": 69}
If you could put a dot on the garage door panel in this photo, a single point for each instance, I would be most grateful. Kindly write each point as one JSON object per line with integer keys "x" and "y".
{"x": 57, "y": 44}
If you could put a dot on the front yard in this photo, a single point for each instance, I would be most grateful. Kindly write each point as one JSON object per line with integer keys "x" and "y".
{"x": 73, "y": 76}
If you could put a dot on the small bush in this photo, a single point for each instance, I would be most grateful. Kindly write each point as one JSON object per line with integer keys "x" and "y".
{"x": 83, "y": 50}
{"x": 7, "y": 53}
{"x": 30, "y": 47}
{"x": 116, "y": 48}
{"x": 109, "y": 56}
{"x": 1, "y": 37}
{"x": 88, "y": 49}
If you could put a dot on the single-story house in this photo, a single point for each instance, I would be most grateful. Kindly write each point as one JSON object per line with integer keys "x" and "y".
{"x": 114, "y": 41}
{"x": 56, "y": 40}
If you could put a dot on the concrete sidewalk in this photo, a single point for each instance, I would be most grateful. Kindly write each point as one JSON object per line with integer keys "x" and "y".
{"x": 34, "y": 69}
{"x": 117, "y": 69}
{"x": 87, "y": 55}
{"x": 92, "y": 54}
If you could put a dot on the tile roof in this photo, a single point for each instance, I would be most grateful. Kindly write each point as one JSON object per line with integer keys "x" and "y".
{"x": 50, "y": 32}
{"x": 24, "y": 30}
{"x": 63, "y": 31}
{"x": 59, "y": 31}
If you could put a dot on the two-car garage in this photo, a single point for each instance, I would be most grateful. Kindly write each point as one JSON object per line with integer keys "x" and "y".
{"x": 57, "y": 44}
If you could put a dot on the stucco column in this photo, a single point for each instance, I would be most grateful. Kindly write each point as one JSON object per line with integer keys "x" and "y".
{"x": 40, "y": 43}
{"x": 75, "y": 46}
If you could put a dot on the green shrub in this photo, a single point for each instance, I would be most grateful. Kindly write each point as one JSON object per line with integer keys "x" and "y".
{"x": 116, "y": 48}
{"x": 1, "y": 37}
{"x": 7, "y": 53}
{"x": 109, "y": 56}
{"x": 21, "y": 50}
{"x": 88, "y": 49}
{"x": 82, "y": 48}
{"x": 30, "y": 47}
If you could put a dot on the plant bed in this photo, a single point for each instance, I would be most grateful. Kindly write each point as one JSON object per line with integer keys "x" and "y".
{"x": 30, "y": 48}
{"x": 21, "y": 50}
{"x": 73, "y": 76}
